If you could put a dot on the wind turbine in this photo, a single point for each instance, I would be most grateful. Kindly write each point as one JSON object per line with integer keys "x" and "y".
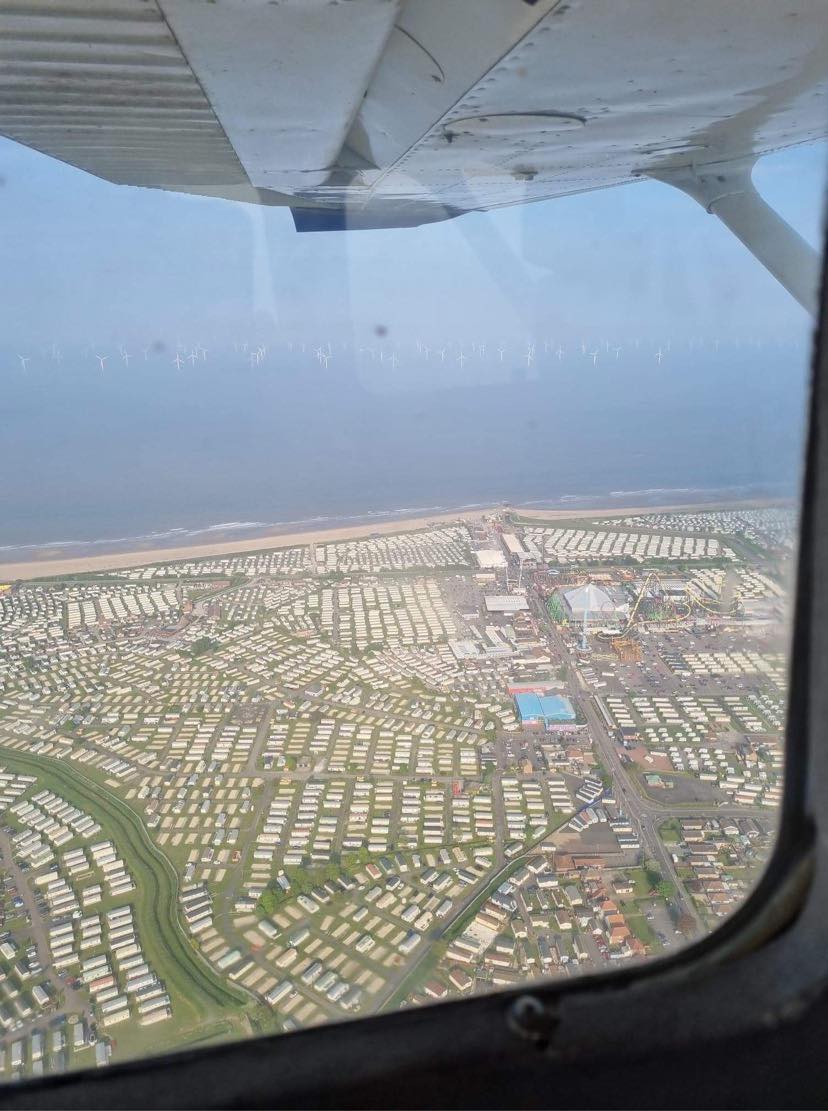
{"x": 178, "y": 361}
{"x": 146, "y": 351}
{"x": 659, "y": 356}
{"x": 501, "y": 351}
{"x": 126, "y": 357}
{"x": 462, "y": 358}
{"x": 326, "y": 358}
{"x": 560, "y": 352}
{"x": 530, "y": 354}
{"x": 594, "y": 356}
{"x": 203, "y": 351}
{"x": 102, "y": 359}
{"x": 24, "y": 361}
{"x": 442, "y": 354}
{"x": 193, "y": 356}
{"x": 394, "y": 360}
{"x": 617, "y": 351}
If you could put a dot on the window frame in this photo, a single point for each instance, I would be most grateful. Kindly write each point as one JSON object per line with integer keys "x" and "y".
{"x": 762, "y": 974}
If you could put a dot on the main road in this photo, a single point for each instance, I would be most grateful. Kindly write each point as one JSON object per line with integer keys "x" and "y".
{"x": 642, "y": 815}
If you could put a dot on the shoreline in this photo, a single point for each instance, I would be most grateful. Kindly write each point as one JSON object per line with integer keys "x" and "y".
{"x": 64, "y": 565}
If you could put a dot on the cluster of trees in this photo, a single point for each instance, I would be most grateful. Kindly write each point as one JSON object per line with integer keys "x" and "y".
{"x": 303, "y": 880}
{"x": 603, "y": 775}
{"x": 657, "y": 882}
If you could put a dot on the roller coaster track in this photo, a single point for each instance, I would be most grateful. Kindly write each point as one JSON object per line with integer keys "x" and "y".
{"x": 677, "y": 621}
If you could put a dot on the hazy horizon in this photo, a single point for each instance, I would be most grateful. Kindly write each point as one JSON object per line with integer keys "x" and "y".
{"x": 636, "y": 305}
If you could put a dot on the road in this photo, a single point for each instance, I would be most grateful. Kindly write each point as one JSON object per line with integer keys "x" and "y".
{"x": 488, "y": 883}
{"x": 73, "y": 1001}
{"x": 641, "y": 814}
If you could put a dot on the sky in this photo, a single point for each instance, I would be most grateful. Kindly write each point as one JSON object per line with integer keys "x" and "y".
{"x": 88, "y": 261}
{"x": 144, "y": 449}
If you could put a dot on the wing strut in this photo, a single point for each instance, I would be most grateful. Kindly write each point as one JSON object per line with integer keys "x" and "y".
{"x": 726, "y": 190}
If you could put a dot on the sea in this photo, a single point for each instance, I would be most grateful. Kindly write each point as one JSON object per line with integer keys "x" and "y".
{"x": 148, "y": 456}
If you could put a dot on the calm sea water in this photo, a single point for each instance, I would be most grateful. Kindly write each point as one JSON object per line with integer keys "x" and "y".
{"x": 149, "y": 452}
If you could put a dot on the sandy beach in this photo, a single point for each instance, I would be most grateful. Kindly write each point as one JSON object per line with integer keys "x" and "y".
{"x": 53, "y": 565}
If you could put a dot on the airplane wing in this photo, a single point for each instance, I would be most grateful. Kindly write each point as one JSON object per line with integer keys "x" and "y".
{"x": 393, "y": 113}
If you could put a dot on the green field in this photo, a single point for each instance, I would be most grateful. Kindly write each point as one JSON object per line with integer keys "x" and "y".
{"x": 642, "y": 929}
{"x": 196, "y": 992}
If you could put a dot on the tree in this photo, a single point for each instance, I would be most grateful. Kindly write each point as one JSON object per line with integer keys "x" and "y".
{"x": 665, "y": 889}
{"x": 268, "y": 901}
{"x": 652, "y": 874}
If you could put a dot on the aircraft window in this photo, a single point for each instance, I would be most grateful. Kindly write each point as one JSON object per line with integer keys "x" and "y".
{"x": 388, "y": 614}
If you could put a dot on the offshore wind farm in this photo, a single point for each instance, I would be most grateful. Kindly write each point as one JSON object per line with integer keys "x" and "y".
{"x": 199, "y": 439}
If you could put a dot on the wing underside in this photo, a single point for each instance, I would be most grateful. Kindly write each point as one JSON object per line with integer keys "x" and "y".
{"x": 389, "y": 113}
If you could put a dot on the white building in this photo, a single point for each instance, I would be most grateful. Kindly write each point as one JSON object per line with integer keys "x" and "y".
{"x": 506, "y": 603}
{"x": 490, "y": 559}
{"x": 599, "y": 606}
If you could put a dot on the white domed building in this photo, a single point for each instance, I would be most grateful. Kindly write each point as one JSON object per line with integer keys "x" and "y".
{"x": 597, "y": 607}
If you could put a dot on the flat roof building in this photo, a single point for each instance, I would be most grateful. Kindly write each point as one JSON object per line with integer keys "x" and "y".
{"x": 490, "y": 559}
{"x": 514, "y": 545}
{"x": 543, "y": 709}
{"x": 506, "y": 603}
